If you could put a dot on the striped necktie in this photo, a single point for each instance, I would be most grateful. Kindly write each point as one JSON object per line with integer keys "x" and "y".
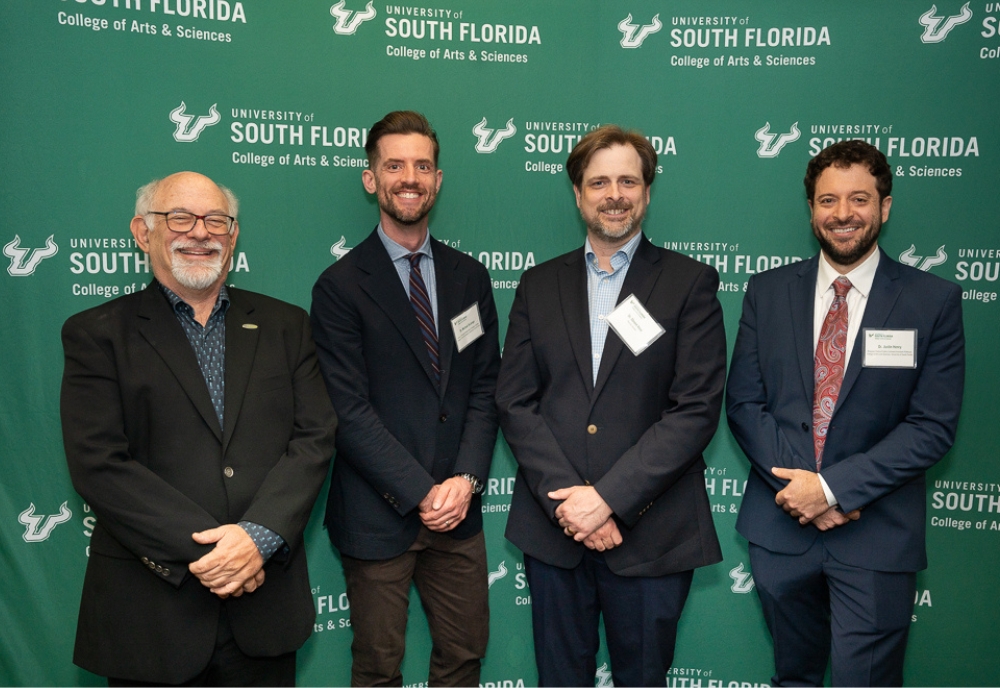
{"x": 425, "y": 314}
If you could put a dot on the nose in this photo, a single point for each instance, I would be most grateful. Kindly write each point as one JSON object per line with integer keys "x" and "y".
{"x": 200, "y": 230}
{"x": 845, "y": 209}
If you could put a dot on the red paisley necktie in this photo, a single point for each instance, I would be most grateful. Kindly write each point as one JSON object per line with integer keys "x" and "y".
{"x": 828, "y": 367}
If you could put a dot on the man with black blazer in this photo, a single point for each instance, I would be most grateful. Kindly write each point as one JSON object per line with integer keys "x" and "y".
{"x": 841, "y": 414}
{"x": 407, "y": 335}
{"x": 197, "y": 428}
{"x": 608, "y": 427}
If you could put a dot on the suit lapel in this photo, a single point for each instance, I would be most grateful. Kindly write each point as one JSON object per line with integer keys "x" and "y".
{"x": 576, "y": 312}
{"x": 451, "y": 286}
{"x": 802, "y": 299}
{"x": 381, "y": 283}
{"x": 885, "y": 291}
{"x": 643, "y": 272}
{"x": 241, "y": 348}
{"x": 158, "y": 325}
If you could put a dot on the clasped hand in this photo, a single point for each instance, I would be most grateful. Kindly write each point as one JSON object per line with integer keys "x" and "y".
{"x": 803, "y": 498}
{"x": 446, "y": 505}
{"x": 233, "y": 567}
{"x": 586, "y": 517}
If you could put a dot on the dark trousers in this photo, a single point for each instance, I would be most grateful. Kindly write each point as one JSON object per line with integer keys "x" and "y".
{"x": 640, "y": 622}
{"x": 450, "y": 576}
{"x": 820, "y": 610}
{"x": 229, "y": 666}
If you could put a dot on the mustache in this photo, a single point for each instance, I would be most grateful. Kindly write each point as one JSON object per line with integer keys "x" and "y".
{"x": 210, "y": 244}
{"x": 615, "y": 205}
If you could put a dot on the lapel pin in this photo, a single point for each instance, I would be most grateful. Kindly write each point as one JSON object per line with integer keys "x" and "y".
{"x": 249, "y": 326}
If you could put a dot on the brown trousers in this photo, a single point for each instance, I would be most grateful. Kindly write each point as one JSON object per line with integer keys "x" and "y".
{"x": 450, "y": 576}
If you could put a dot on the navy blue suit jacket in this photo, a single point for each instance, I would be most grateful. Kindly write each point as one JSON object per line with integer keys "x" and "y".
{"x": 889, "y": 426}
{"x": 638, "y": 434}
{"x": 400, "y": 433}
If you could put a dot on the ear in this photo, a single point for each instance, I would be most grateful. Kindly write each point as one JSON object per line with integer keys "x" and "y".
{"x": 140, "y": 232}
{"x": 440, "y": 176}
{"x": 576, "y": 192}
{"x": 368, "y": 179}
{"x": 232, "y": 235}
{"x": 886, "y": 204}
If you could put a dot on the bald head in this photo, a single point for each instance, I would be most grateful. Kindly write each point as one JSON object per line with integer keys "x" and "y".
{"x": 148, "y": 196}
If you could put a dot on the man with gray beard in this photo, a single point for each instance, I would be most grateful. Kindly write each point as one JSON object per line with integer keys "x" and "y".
{"x": 198, "y": 429}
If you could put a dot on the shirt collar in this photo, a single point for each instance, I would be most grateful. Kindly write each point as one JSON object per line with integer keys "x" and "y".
{"x": 620, "y": 258}
{"x": 398, "y": 251}
{"x": 181, "y": 306}
{"x": 861, "y": 277}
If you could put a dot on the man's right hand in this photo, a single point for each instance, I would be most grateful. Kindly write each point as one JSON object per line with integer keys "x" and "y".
{"x": 604, "y": 538}
{"x": 831, "y": 518}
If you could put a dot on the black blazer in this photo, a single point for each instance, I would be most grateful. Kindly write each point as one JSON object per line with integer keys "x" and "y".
{"x": 638, "y": 435}
{"x": 400, "y": 432}
{"x": 889, "y": 426}
{"x": 146, "y": 452}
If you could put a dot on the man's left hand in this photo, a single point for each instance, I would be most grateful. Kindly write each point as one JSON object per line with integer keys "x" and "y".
{"x": 232, "y": 565}
{"x": 803, "y": 496}
{"x": 582, "y": 511}
{"x": 449, "y": 506}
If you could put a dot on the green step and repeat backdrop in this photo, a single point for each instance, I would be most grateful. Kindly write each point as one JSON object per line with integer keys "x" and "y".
{"x": 274, "y": 99}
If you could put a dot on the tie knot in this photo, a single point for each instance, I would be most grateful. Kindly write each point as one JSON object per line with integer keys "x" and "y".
{"x": 841, "y": 286}
{"x": 414, "y": 259}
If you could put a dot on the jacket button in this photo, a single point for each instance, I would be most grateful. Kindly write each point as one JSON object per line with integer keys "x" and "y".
{"x": 145, "y": 560}
{"x": 443, "y": 417}
{"x": 805, "y": 426}
{"x": 166, "y": 572}
{"x": 228, "y": 471}
{"x": 592, "y": 429}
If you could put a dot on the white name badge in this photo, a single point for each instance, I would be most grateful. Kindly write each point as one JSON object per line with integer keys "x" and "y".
{"x": 890, "y": 348}
{"x": 467, "y": 326}
{"x": 634, "y": 325}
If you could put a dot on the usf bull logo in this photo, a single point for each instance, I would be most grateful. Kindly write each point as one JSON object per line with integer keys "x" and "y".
{"x": 489, "y": 139}
{"x": 633, "y": 35}
{"x": 924, "y": 263}
{"x": 340, "y": 249}
{"x": 771, "y": 144}
{"x": 494, "y": 576}
{"x": 937, "y": 28}
{"x": 189, "y": 127}
{"x": 742, "y": 580}
{"x": 348, "y": 21}
{"x": 38, "y": 528}
{"x": 23, "y": 261}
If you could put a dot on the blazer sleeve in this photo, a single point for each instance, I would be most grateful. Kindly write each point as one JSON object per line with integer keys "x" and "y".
{"x": 362, "y": 440}
{"x": 519, "y": 390}
{"x": 479, "y": 434}
{"x": 666, "y": 451}
{"x": 755, "y": 428}
{"x": 143, "y": 512}
{"x": 284, "y": 501}
{"x": 927, "y": 432}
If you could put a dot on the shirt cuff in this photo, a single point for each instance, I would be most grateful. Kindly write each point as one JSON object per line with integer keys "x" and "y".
{"x": 831, "y": 500}
{"x": 268, "y": 542}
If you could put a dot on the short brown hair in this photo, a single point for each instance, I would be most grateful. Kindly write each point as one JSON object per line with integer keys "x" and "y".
{"x": 399, "y": 122}
{"x": 606, "y": 137}
{"x": 843, "y": 154}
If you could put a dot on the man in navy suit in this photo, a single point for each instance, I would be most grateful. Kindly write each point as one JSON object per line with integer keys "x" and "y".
{"x": 841, "y": 414}
{"x": 609, "y": 392}
{"x": 407, "y": 336}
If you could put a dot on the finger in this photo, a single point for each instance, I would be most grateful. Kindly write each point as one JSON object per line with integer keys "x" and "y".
{"x": 207, "y": 537}
{"x": 783, "y": 473}
{"x": 560, "y": 494}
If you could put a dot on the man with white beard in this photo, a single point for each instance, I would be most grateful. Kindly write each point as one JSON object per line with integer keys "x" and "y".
{"x": 198, "y": 429}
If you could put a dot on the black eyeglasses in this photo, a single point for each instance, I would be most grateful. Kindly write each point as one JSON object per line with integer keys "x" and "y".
{"x": 182, "y": 222}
